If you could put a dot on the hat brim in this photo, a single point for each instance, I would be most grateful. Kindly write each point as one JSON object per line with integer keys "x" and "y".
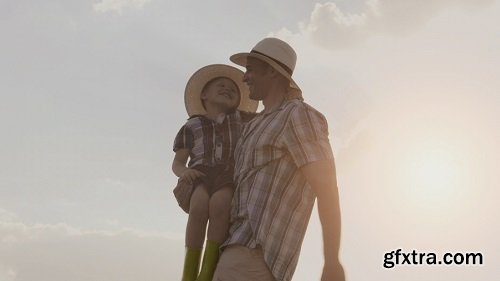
{"x": 241, "y": 59}
{"x": 203, "y": 75}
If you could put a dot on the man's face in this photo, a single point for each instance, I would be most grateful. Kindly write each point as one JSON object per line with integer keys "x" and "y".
{"x": 257, "y": 78}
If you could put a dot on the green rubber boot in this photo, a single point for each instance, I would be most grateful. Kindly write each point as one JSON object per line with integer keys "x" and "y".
{"x": 191, "y": 264}
{"x": 210, "y": 258}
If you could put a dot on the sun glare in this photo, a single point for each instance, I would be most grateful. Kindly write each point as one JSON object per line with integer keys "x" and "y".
{"x": 433, "y": 178}
{"x": 433, "y": 175}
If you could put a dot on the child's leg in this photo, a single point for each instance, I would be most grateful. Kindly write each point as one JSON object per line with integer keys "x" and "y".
{"x": 218, "y": 225}
{"x": 195, "y": 232}
{"x": 219, "y": 207}
{"x": 198, "y": 217}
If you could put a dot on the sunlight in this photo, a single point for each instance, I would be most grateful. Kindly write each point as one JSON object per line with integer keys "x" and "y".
{"x": 433, "y": 176}
{"x": 433, "y": 179}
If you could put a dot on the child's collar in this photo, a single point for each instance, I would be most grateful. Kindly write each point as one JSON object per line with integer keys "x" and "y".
{"x": 219, "y": 119}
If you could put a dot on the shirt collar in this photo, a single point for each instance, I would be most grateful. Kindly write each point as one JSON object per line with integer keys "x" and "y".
{"x": 281, "y": 106}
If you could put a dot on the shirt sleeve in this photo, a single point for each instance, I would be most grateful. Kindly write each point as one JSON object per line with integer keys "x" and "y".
{"x": 184, "y": 139}
{"x": 247, "y": 116}
{"x": 306, "y": 136}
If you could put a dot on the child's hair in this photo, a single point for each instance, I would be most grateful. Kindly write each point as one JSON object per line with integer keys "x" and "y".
{"x": 212, "y": 81}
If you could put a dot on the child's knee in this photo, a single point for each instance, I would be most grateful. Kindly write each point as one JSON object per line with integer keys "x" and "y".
{"x": 219, "y": 209}
{"x": 198, "y": 212}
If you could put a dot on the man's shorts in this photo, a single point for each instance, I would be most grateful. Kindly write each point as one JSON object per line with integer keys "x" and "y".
{"x": 239, "y": 263}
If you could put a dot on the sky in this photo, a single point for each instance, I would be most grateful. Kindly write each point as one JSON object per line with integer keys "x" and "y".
{"x": 92, "y": 97}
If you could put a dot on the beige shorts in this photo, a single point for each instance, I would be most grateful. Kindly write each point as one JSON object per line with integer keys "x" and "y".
{"x": 239, "y": 263}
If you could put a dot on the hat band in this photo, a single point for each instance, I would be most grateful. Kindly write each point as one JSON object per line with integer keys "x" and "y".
{"x": 286, "y": 68}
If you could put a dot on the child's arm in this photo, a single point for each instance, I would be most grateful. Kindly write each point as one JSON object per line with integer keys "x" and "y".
{"x": 180, "y": 159}
{"x": 247, "y": 116}
{"x": 179, "y": 166}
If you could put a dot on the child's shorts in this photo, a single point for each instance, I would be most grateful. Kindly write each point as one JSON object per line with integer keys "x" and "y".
{"x": 215, "y": 178}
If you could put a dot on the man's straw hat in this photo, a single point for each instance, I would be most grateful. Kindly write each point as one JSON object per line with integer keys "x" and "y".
{"x": 276, "y": 53}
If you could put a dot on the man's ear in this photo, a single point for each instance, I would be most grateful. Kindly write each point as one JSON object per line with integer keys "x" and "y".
{"x": 203, "y": 95}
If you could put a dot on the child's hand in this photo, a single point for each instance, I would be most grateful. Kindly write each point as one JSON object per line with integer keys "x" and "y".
{"x": 191, "y": 174}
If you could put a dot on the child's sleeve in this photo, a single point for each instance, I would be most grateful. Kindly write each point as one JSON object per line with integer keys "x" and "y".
{"x": 184, "y": 139}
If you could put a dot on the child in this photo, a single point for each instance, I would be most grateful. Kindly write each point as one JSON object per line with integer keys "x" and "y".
{"x": 218, "y": 104}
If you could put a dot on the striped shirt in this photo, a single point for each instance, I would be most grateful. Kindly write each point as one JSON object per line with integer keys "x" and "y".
{"x": 272, "y": 202}
{"x": 211, "y": 143}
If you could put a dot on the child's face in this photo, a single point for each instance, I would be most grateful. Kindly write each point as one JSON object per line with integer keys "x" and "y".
{"x": 222, "y": 92}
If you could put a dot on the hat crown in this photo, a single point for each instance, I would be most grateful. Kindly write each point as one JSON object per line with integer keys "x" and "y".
{"x": 278, "y": 50}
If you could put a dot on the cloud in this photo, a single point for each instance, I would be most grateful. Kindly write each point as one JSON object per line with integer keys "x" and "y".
{"x": 61, "y": 252}
{"x": 7, "y": 273}
{"x": 117, "y": 6}
{"x": 449, "y": 57}
{"x": 329, "y": 25}
{"x": 332, "y": 27}
{"x": 6, "y": 216}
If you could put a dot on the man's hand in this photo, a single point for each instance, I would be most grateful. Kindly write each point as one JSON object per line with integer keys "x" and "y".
{"x": 191, "y": 174}
{"x": 333, "y": 272}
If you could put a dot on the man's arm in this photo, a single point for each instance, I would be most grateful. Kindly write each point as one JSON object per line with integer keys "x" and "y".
{"x": 322, "y": 178}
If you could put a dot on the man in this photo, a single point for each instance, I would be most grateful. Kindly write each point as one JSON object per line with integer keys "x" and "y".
{"x": 283, "y": 162}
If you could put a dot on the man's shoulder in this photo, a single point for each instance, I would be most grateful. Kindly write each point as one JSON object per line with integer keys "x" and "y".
{"x": 299, "y": 107}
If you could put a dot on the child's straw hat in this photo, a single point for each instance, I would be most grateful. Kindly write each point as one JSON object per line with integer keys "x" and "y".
{"x": 205, "y": 74}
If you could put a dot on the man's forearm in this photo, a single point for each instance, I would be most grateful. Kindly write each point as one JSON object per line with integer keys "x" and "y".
{"x": 322, "y": 179}
{"x": 329, "y": 215}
